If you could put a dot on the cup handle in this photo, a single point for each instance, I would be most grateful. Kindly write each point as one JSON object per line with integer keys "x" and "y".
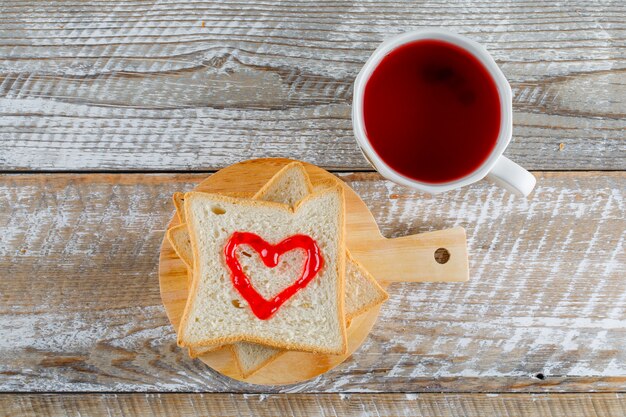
{"x": 514, "y": 178}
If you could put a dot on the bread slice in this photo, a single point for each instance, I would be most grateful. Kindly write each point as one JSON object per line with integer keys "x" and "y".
{"x": 250, "y": 357}
{"x": 180, "y": 241}
{"x": 179, "y": 203}
{"x": 288, "y": 186}
{"x": 310, "y": 321}
{"x": 362, "y": 291}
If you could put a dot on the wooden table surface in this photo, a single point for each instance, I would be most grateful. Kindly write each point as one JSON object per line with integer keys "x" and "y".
{"x": 108, "y": 107}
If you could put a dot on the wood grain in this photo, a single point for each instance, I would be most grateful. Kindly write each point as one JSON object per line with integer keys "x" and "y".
{"x": 301, "y": 405}
{"x": 545, "y": 308}
{"x": 178, "y": 85}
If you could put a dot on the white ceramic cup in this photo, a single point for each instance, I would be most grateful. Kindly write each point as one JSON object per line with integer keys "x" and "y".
{"x": 496, "y": 167}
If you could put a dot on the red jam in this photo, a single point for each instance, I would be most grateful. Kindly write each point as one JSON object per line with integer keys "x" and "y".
{"x": 270, "y": 254}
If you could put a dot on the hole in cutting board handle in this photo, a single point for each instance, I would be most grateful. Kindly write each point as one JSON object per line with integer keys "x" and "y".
{"x": 442, "y": 255}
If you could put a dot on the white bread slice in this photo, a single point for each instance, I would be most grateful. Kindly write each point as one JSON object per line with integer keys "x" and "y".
{"x": 179, "y": 203}
{"x": 250, "y": 357}
{"x": 362, "y": 291}
{"x": 180, "y": 241}
{"x": 288, "y": 186}
{"x": 310, "y": 321}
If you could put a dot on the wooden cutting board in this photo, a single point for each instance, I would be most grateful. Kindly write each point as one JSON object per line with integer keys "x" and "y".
{"x": 415, "y": 258}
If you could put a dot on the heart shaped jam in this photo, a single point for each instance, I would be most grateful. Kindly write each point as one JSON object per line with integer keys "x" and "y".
{"x": 270, "y": 255}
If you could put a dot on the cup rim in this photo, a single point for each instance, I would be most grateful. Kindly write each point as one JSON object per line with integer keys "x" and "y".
{"x": 478, "y": 51}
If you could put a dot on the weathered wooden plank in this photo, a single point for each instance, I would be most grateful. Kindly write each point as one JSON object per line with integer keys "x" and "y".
{"x": 179, "y": 85}
{"x": 297, "y": 405}
{"x": 545, "y": 309}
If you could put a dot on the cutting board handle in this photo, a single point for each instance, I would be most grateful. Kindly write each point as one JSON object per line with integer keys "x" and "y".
{"x": 439, "y": 256}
